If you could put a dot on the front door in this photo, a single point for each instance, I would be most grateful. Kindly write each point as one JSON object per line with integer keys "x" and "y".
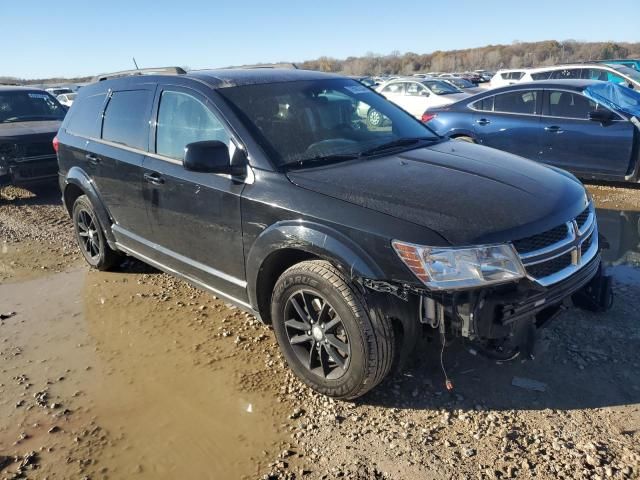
{"x": 194, "y": 216}
{"x": 571, "y": 141}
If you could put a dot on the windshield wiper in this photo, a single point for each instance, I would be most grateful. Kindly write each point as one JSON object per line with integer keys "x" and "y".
{"x": 323, "y": 160}
{"x": 400, "y": 142}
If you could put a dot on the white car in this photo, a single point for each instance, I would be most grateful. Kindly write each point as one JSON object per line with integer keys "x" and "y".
{"x": 66, "y": 99}
{"x": 619, "y": 74}
{"x": 55, "y": 91}
{"x": 502, "y": 78}
{"x": 418, "y": 95}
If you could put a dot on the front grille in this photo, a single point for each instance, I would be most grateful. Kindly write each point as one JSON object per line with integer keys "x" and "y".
{"x": 559, "y": 248}
{"x": 36, "y": 149}
{"x": 542, "y": 240}
{"x": 582, "y": 218}
{"x": 544, "y": 269}
{"x": 586, "y": 245}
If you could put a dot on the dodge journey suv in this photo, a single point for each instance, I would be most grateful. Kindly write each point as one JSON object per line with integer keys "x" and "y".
{"x": 265, "y": 187}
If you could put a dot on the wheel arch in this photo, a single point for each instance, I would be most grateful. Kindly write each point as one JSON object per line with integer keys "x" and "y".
{"x": 285, "y": 244}
{"x": 77, "y": 182}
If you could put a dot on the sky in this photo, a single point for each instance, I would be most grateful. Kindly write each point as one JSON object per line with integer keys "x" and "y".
{"x": 84, "y": 37}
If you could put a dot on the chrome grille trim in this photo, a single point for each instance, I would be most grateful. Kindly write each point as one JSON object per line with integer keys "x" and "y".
{"x": 571, "y": 244}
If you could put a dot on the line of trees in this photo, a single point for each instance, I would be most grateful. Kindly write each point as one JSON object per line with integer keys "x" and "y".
{"x": 491, "y": 57}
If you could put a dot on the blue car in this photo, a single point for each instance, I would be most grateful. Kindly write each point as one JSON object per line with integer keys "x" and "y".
{"x": 590, "y": 128}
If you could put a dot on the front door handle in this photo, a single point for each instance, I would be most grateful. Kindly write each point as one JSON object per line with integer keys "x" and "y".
{"x": 483, "y": 121}
{"x": 553, "y": 129}
{"x": 92, "y": 159}
{"x": 154, "y": 178}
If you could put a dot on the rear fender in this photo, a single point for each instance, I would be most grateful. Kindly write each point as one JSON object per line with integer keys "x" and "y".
{"x": 78, "y": 178}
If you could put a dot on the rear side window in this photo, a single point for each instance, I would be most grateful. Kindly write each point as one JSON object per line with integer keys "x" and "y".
{"x": 183, "y": 119}
{"x": 541, "y": 75}
{"x": 567, "y": 73}
{"x": 484, "y": 104}
{"x": 126, "y": 119}
{"x": 516, "y": 75}
{"x": 84, "y": 116}
{"x": 522, "y": 101}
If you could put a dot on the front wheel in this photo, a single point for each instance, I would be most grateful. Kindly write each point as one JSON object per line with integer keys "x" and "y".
{"x": 374, "y": 118}
{"x": 329, "y": 338}
{"x": 90, "y": 236}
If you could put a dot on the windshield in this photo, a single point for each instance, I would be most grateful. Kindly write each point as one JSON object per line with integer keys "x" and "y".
{"x": 25, "y": 106}
{"x": 440, "y": 87}
{"x": 337, "y": 119}
{"x": 629, "y": 72}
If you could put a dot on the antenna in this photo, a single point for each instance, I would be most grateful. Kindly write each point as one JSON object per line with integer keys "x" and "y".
{"x": 135, "y": 63}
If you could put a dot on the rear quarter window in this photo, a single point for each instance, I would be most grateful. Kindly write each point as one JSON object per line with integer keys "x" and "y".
{"x": 126, "y": 118}
{"x": 84, "y": 116}
{"x": 484, "y": 104}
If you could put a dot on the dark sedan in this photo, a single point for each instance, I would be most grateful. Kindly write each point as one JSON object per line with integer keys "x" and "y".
{"x": 29, "y": 120}
{"x": 588, "y": 127}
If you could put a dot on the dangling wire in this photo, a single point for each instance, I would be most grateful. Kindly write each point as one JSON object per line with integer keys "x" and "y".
{"x": 448, "y": 383}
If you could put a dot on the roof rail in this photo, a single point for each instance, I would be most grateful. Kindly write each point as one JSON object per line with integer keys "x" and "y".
{"x": 285, "y": 65}
{"x": 140, "y": 71}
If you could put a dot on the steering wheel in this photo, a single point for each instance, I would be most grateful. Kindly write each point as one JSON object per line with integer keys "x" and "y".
{"x": 326, "y": 146}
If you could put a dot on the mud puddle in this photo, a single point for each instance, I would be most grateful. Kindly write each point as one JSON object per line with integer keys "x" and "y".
{"x": 621, "y": 229}
{"x": 140, "y": 378}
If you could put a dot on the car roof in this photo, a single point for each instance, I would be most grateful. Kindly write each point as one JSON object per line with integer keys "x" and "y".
{"x": 575, "y": 84}
{"x": 16, "y": 88}
{"x": 236, "y": 77}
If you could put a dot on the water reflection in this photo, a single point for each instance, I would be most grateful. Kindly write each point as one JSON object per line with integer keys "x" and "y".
{"x": 621, "y": 229}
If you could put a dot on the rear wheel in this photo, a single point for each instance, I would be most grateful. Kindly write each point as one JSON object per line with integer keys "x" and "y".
{"x": 90, "y": 236}
{"x": 331, "y": 341}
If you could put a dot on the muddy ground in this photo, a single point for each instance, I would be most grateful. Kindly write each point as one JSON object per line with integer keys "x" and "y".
{"x": 133, "y": 374}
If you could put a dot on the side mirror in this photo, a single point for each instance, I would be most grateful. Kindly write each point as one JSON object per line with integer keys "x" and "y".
{"x": 211, "y": 156}
{"x": 601, "y": 116}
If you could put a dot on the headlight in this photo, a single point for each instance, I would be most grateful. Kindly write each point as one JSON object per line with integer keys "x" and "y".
{"x": 455, "y": 268}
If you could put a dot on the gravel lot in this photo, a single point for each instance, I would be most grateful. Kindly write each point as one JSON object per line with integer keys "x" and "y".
{"x": 133, "y": 374}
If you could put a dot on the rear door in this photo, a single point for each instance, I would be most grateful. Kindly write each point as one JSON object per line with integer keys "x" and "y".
{"x": 195, "y": 216}
{"x": 572, "y": 141}
{"x": 118, "y": 155}
{"x": 510, "y": 121}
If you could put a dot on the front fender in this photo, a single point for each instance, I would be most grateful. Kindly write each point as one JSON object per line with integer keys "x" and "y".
{"x": 78, "y": 178}
{"x": 317, "y": 239}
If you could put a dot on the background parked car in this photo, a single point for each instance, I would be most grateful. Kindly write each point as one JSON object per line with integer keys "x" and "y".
{"x": 585, "y": 126}
{"x": 627, "y": 62}
{"x": 619, "y": 74}
{"x": 55, "y": 91}
{"x": 29, "y": 119}
{"x": 417, "y": 96}
{"x": 464, "y": 85}
{"x": 66, "y": 99}
{"x": 506, "y": 77}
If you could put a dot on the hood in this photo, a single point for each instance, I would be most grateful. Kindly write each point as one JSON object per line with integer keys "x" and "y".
{"x": 15, "y": 132}
{"x": 467, "y": 193}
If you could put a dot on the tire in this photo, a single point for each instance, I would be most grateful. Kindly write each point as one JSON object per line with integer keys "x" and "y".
{"x": 464, "y": 138}
{"x": 90, "y": 236}
{"x": 374, "y": 118}
{"x": 365, "y": 348}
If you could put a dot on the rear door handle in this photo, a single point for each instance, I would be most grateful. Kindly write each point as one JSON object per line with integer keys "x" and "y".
{"x": 483, "y": 121}
{"x": 92, "y": 159}
{"x": 553, "y": 129}
{"x": 154, "y": 178}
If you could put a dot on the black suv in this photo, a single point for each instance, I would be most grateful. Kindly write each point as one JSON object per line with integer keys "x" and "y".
{"x": 29, "y": 120}
{"x": 266, "y": 187}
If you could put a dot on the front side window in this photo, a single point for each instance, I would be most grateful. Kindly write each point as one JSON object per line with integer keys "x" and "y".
{"x": 570, "y": 105}
{"x": 329, "y": 119}
{"x": 26, "y": 106}
{"x": 126, "y": 118}
{"x": 521, "y": 101}
{"x": 183, "y": 119}
{"x": 415, "y": 89}
{"x": 394, "y": 88}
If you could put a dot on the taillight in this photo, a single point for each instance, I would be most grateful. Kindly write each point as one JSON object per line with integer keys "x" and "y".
{"x": 56, "y": 143}
{"x": 427, "y": 117}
